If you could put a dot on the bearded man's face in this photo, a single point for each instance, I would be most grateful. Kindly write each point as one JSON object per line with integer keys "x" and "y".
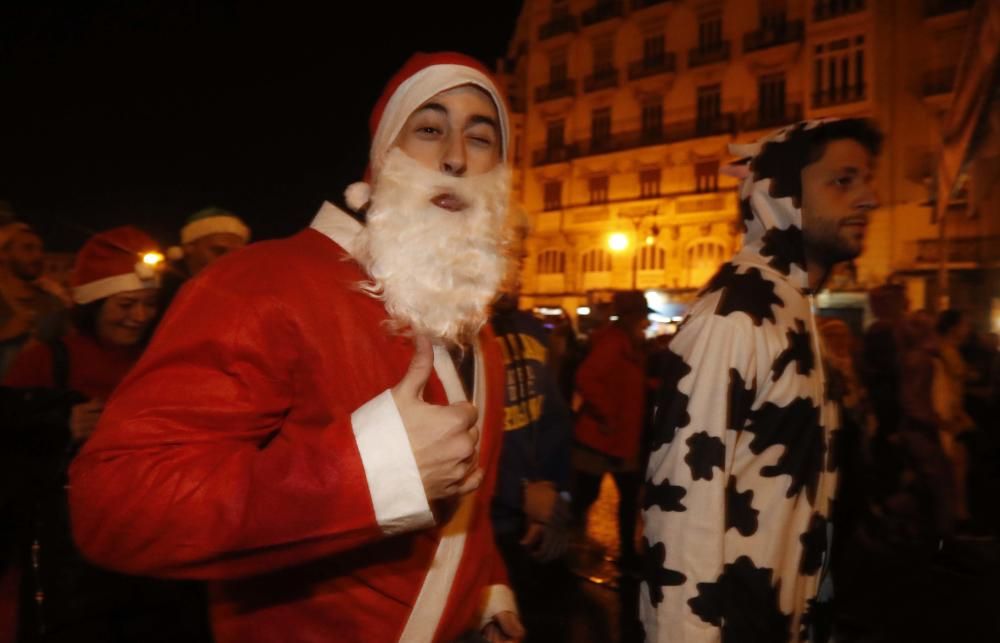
{"x": 435, "y": 240}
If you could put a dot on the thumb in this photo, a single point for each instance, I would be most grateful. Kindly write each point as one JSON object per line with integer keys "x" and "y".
{"x": 510, "y": 624}
{"x": 412, "y": 384}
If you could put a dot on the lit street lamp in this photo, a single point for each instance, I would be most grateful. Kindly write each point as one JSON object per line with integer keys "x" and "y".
{"x": 618, "y": 241}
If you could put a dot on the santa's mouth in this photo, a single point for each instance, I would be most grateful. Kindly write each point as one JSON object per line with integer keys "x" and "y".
{"x": 450, "y": 202}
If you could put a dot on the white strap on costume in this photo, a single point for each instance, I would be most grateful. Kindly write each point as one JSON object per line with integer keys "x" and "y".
{"x": 430, "y": 603}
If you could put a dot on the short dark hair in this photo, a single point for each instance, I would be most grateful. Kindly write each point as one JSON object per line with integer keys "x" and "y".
{"x": 783, "y": 161}
{"x": 947, "y": 320}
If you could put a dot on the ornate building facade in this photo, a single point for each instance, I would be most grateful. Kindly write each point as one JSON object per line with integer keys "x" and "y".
{"x": 624, "y": 111}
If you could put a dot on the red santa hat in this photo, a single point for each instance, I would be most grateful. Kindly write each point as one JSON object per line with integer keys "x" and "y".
{"x": 421, "y": 78}
{"x": 119, "y": 260}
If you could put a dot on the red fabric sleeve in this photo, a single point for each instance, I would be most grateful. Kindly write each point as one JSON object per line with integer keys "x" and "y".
{"x": 31, "y": 368}
{"x": 202, "y": 467}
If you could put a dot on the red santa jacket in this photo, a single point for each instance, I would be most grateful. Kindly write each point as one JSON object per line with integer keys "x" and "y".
{"x": 256, "y": 445}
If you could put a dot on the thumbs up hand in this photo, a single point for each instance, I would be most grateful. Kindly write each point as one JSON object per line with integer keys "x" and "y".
{"x": 443, "y": 438}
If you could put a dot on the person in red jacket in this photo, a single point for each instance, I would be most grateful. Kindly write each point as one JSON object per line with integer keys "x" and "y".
{"x": 314, "y": 428}
{"x": 611, "y": 383}
{"x": 64, "y": 383}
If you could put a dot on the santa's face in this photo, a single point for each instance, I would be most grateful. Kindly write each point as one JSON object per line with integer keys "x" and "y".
{"x": 456, "y": 132}
{"x": 434, "y": 245}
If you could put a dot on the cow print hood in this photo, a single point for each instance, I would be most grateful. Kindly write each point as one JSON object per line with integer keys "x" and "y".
{"x": 770, "y": 201}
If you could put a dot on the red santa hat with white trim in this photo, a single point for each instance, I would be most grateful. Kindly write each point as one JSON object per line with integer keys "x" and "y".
{"x": 421, "y": 78}
{"x": 119, "y": 260}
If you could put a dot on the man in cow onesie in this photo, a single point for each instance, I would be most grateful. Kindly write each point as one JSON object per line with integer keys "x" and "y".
{"x": 298, "y": 433}
{"x": 742, "y": 473}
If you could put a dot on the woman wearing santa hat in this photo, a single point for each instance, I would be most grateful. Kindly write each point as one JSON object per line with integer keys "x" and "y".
{"x": 115, "y": 284}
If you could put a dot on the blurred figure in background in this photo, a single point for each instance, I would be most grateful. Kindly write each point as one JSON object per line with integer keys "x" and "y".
{"x": 28, "y": 302}
{"x": 949, "y": 401}
{"x": 611, "y": 383}
{"x": 928, "y": 478}
{"x": 208, "y": 235}
{"x": 63, "y": 384}
{"x": 530, "y": 508}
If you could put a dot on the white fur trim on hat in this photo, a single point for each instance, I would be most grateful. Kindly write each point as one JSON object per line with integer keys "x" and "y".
{"x": 358, "y": 195}
{"x": 86, "y": 293}
{"x": 417, "y": 90}
{"x": 214, "y": 225}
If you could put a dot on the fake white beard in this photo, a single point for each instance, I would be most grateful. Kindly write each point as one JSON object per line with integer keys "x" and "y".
{"x": 437, "y": 271}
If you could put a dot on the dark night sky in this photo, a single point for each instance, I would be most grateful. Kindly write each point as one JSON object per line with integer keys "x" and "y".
{"x": 143, "y": 112}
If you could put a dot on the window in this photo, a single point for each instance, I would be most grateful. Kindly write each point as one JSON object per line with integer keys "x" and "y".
{"x": 706, "y": 176}
{"x": 558, "y": 70}
{"x": 652, "y": 258}
{"x": 771, "y": 99}
{"x": 703, "y": 259}
{"x": 600, "y": 128}
{"x": 709, "y": 109}
{"x": 596, "y": 260}
{"x": 553, "y": 195}
{"x": 552, "y": 262}
{"x": 598, "y": 189}
{"x": 554, "y": 135}
{"x": 710, "y": 31}
{"x": 649, "y": 183}
{"x": 652, "y": 50}
{"x": 773, "y": 15}
{"x": 839, "y": 72}
{"x": 652, "y": 120}
{"x": 604, "y": 55}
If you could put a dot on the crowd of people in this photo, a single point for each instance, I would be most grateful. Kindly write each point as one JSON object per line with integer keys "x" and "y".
{"x": 357, "y": 434}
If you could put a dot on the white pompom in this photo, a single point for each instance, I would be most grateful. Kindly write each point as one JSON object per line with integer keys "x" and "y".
{"x": 357, "y": 195}
{"x": 175, "y": 253}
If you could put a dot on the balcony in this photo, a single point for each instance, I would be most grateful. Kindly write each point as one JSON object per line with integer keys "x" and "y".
{"x": 602, "y": 11}
{"x": 645, "y": 4}
{"x": 716, "y": 53}
{"x": 766, "y": 38}
{"x": 553, "y": 154}
{"x": 969, "y": 250}
{"x": 828, "y": 9}
{"x": 938, "y": 81}
{"x": 556, "y": 89}
{"x": 839, "y": 96}
{"x": 654, "y": 66}
{"x": 724, "y": 123}
{"x": 763, "y": 119}
{"x": 601, "y": 79}
{"x": 715, "y": 124}
{"x": 934, "y": 8}
{"x": 557, "y": 26}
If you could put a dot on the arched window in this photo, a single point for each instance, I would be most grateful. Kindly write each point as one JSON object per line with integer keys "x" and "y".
{"x": 551, "y": 262}
{"x": 596, "y": 260}
{"x": 652, "y": 258}
{"x": 704, "y": 256}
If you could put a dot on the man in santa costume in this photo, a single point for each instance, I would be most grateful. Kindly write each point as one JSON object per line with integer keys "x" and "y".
{"x": 315, "y": 427}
